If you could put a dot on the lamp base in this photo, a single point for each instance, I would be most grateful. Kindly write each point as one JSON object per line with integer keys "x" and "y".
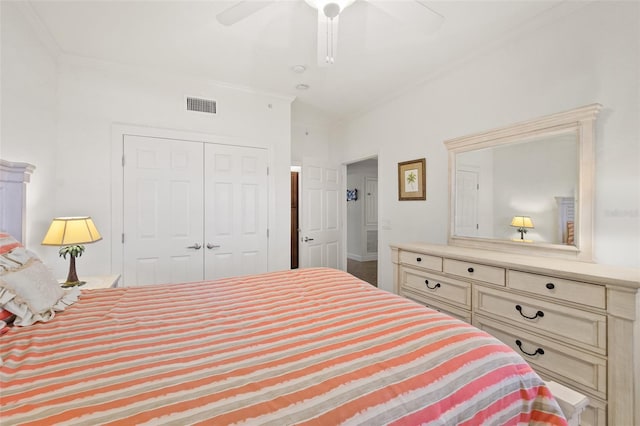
{"x": 73, "y": 283}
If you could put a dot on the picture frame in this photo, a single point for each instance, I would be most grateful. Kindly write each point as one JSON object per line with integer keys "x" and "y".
{"x": 412, "y": 180}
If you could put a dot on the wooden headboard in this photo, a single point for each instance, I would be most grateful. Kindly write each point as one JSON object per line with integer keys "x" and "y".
{"x": 13, "y": 197}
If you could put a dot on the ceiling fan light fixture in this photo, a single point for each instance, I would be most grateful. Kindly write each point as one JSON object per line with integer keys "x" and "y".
{"x": 330, "y": 8}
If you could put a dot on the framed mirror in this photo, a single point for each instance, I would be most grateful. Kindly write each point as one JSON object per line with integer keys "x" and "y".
{"x": 526, "y": 188}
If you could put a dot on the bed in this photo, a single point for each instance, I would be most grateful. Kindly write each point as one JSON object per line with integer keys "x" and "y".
{"x": 310, "y": 346}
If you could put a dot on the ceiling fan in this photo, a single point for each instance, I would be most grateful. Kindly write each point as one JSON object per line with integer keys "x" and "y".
{"x": 412, "y": 13}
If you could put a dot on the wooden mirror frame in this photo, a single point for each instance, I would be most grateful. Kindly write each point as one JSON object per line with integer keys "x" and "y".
{"x": 581, "y": 121}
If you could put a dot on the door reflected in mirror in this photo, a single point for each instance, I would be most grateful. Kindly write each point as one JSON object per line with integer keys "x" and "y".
{"x": 537, "y": 179}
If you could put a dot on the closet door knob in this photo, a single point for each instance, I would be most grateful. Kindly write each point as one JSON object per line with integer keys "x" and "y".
{"x": 418, "y": 259}
{"x": 550, "y": 286}
{"x": 470, "y": 270}
{"x": 195, "y": 246}
{"x": 212, "y": 246}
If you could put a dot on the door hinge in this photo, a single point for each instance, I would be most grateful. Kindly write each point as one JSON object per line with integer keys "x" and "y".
{"x": 123, "y": 238}
{"x": 267, "y": 170}
{"x": 477, "y": 186}
{"x": 477, "y": 226}
{"x": 267, "y": 232}
{"x": 123, "y": 161}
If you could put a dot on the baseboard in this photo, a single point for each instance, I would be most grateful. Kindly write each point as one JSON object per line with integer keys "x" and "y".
{"x": 355, "y": 257}
{"x": 366, "y": 258}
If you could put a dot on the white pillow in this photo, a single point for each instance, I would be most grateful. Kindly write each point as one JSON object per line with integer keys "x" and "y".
{"x": 27, "y": 287}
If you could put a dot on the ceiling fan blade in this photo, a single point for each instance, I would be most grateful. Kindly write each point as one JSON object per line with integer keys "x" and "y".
{"x": 240, "y": 10}
{"x": 327, "y": 39}
{"x": 414, "y": 13}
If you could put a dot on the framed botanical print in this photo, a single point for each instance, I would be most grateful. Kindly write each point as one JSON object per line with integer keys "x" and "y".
{"x": 412, "y": 180}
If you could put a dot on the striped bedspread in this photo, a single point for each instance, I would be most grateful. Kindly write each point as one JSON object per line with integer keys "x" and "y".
{"x": 311, "y": 346}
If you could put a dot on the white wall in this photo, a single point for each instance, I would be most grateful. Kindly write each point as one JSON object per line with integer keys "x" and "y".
{"x": 70, "y": 138}
{"x": 28, "y": 114}
{"x": 590, "y": 56}
{"x": 310, "y": 133}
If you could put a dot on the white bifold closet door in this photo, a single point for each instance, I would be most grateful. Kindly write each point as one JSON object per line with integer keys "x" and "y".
{"x": 192, "y": 211}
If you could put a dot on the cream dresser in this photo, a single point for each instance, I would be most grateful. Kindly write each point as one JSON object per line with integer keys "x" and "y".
{"x": 576, "y": 323}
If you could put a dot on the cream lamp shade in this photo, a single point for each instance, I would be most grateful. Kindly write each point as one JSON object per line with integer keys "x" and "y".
{"x": 65, "y": 231}
{"x": 71, "y": 232}
{"x": 522, "y": 222}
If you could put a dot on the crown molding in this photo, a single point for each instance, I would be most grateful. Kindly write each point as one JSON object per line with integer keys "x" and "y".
{"x": 38, "y": 26}
{"x": 76, "y": 61}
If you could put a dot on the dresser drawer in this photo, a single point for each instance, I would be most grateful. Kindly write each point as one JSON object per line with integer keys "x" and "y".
{"x": 558, "y": 288}
{"x": 453, "y": 311}
{"x": 476, "y": 271}
{"x": 579, "y": 328}
{"x": 438, "y": 287}
{"x": 422, "y": 260}
{"x": 584, "y": 371}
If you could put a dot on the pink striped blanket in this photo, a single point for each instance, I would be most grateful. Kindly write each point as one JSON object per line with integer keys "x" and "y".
{"x": 309, "y": 347}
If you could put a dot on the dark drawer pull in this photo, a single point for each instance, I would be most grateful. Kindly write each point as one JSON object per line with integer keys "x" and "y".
{"x": 418, "y": 259}
{"x": 538, "y": 351}
{"x": 538, "y": 314}
{"x": 429, "y": 287}
{"x": 550, "y": 286}
{"x": 470, "y": 270}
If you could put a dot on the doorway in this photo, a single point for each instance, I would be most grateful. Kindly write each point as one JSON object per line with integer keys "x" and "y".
{"x": 295, "y": 217}
{"x": 362, "y": 220}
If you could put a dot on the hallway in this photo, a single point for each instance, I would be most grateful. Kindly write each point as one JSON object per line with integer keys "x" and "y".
{"x": 366, "y": 271}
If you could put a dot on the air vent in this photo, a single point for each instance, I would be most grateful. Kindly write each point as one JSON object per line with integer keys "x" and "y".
{"x": 201, "y": 105}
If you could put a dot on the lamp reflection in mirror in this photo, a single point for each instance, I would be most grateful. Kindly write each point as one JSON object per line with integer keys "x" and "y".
{"x": 522, "y": 223}
{"x": 72, "y": 233}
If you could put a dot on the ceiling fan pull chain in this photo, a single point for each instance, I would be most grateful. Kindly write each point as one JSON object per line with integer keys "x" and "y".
{"x": 331, "y": 57}
{"x": 328, "y": 24}
{"x": 331, "y": 10}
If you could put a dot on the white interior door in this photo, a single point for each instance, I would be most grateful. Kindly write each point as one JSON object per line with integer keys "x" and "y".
{"x": 371, "y": 201}
{"x": 320, "y": 236}
{"x": 163, "y": 211}
{"x": 370, "y": 243}
{"x": 235, "y": 217}
{"x": 466, "y": 203}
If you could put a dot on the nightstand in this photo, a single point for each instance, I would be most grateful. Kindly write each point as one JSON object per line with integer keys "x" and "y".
{"x": 98, "y": 281}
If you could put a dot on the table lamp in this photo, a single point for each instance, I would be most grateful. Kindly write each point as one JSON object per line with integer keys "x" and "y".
{"x": 71, "y": 232}
{"x": 522, "y": 223}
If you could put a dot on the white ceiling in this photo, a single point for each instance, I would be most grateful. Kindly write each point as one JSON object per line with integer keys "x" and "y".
{"x": 377, "y": 56}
